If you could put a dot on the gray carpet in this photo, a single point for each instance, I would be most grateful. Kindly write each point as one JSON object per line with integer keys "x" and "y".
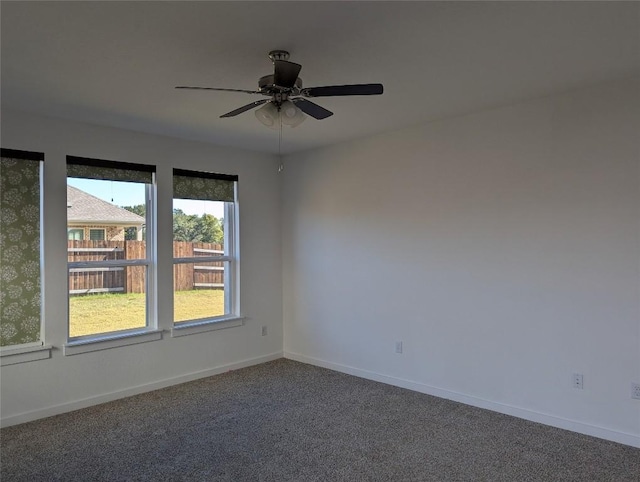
{"x": 287, "y": 421}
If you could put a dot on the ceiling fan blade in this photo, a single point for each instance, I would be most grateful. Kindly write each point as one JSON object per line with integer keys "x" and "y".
{"x": 216, "y": 88}
{"x": 340, "y": 90}
{"x": 314, "y": 110}
{"x": 285, "y": 73}
{"x": 245, "y": 108}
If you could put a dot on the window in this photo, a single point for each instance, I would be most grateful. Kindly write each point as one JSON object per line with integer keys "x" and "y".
{"x": 75, "y": 234}
{"x": 96, "y": 234}
{"x": 205, "y": 247}
{"x": 132, "y": 233}
{"x": 20, "y": 245}
{"x": 111, "y": 279}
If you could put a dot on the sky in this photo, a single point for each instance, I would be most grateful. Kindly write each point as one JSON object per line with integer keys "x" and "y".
{"x": 131, "y": 193}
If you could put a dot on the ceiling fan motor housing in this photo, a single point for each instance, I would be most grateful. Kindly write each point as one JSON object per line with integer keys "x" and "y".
{"x": 268, "y": 87}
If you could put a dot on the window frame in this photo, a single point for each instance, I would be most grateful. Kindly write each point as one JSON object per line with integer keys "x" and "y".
{"x": 150, "y": 332}
{"x": 95, "y": 230}
{"x": 75, "y": 230}
{"x": 231, "y": 258}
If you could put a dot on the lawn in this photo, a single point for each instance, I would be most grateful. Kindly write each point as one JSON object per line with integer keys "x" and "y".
{"x": 101, "y": 313}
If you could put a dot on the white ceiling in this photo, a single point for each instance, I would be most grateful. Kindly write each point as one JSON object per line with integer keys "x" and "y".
{"x": 116, "y": 63}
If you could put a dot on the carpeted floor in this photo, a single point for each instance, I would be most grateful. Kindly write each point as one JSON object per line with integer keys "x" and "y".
{"x": 287, "y": 421}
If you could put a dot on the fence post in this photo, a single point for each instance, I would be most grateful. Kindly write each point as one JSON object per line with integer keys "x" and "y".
{"x": 125, "y": 274}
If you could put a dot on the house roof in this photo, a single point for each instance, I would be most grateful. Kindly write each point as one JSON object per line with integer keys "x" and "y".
{"x": 82, "y": 207}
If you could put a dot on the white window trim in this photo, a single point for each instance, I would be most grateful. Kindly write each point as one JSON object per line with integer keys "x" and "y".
{"x": 108, "y": 263}
{"x": 232, "y": 282}
{"x": 111, "y": 340}
{"x": 185, "y": 328}
{"x": 12, "y": 355}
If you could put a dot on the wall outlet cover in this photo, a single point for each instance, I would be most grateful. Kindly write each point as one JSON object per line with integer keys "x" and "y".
{"x": 577, "y": 381}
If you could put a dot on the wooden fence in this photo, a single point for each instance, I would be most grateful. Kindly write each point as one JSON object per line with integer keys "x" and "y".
{"x": 131, "y": 279}
{"x": 187, "y": 276}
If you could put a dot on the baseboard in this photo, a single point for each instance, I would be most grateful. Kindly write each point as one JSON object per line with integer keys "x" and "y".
{"x": 128, "y": 392}
{"x": 545, "y": 419}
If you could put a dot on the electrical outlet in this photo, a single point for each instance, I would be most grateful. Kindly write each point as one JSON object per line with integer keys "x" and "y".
{"x": 577, "y": 381}
{"x": 635, "y": 391}
{"x": 398, "y": 347}
{"x": 264, "y": 330}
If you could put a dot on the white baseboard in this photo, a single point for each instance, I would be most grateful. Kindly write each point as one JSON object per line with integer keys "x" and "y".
{"x": 128, "y": 392}
{"x": 552, "y": 420}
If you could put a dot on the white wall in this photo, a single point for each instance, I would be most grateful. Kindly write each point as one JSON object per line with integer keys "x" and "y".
{"x": 39, "y": 388}
{"x": 502, "y": 248}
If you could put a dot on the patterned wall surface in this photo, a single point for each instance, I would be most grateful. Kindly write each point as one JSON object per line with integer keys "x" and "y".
{"x": 19, "y": 251}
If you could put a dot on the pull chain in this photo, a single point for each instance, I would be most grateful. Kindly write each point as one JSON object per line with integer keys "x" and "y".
{"x": 281, "y": 166}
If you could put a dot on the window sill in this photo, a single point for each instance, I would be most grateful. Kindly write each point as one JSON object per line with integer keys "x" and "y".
{"x": 111, "y": 341}
{"x": 194, "y": 327}
{"x": 12, "y": 356}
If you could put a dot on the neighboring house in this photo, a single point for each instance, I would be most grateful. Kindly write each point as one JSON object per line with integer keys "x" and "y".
{"x": 91, "y": 218}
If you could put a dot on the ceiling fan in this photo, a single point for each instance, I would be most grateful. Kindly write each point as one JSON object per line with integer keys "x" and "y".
{"x": 287, "y": 96}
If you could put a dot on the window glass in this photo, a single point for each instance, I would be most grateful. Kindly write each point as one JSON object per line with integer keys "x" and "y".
{"x": 204, "y": 247}
{"x": 75, "y": 234}
{"x": 96, "y": 234}
{"x": 105, "y": 311}
{"x": 110, "y": 273}
{"x": 204, "y": 297}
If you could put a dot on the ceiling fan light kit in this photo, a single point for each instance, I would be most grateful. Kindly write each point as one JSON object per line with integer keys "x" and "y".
{"x": 288, "y": 113}
{"x": 270, "y": 114}
{"x": 291, "y": 115}
{"x": 288, "y": 99}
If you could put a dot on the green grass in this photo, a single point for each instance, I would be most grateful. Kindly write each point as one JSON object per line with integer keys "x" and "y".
{"x": 102, "y": 313}
{"x": 195, "y": 304}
